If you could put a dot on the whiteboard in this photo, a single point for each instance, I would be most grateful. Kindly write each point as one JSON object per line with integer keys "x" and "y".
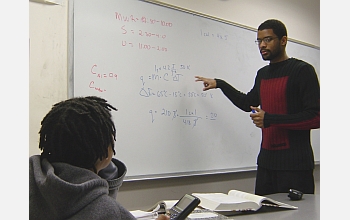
{"x": 142, "y": 58}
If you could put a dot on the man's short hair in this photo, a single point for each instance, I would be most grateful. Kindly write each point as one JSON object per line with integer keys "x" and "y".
{"x": 277, "y": 26}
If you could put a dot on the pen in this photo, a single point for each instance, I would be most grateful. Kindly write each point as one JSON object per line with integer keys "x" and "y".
{"x": 253, "y": 111}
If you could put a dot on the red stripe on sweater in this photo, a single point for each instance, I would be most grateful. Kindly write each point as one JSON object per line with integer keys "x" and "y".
{"x": 274, "y": 100}
{"x": 313, "y": 123}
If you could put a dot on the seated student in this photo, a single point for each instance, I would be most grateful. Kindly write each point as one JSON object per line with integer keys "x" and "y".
{"x": 75, "y": 177}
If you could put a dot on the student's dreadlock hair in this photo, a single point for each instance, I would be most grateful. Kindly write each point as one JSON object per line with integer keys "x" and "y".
{"x": 277, "y": 26}
{"x": 78, "y": 131}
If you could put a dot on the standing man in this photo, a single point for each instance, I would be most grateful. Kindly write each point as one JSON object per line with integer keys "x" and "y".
{"x": 288, "y": 93}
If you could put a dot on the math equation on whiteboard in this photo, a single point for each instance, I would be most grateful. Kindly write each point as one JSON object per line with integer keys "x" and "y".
{"x": 168, "y": 73}
{"x": 188, "y": 117}
{"x": 172, "y": 76}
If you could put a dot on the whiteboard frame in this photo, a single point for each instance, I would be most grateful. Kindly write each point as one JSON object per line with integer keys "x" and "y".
{"x": 70, "y": 86}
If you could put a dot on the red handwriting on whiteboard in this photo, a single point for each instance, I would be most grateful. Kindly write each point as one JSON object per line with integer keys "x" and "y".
{"x": 143, "y": 19}
{"x": 92, "y": 86}
{"x": 143, "y": 46}
{"x": 109, "y": 75}
{"x": 142, "y": 33}
{"x": 100, "y": 75}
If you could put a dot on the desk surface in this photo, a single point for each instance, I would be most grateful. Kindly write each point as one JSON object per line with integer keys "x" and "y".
{"x": 308, "y": 208}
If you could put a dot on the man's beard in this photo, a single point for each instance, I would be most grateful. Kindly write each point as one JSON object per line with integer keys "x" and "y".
{"x": 272, "y": 55}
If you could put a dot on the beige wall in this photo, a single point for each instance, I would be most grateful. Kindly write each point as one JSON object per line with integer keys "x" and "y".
{"x": 48, "y": 79}
{"x": 47, "y": 63}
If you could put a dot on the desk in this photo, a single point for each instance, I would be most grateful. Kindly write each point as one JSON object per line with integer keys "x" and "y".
{"x": 308, "y": 208}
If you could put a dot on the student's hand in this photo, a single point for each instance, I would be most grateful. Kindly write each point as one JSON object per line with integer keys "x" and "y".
{"x": 258, "y": 117}
{"x": 208, "y": 83}
{"x": 163, "y": 217}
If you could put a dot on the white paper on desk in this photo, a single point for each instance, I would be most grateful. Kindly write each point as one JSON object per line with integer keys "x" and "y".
{"x": 202, "y": 215}
{"x": 138, "y": 214}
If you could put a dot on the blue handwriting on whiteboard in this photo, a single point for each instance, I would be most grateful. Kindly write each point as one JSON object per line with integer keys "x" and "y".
{"x": 189, "y": 117}
{"x": 214, "y": 35}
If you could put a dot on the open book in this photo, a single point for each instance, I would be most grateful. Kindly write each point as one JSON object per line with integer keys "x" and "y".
{"x": 237, "y": 201}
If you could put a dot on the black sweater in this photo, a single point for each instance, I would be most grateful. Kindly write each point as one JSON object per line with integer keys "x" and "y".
{"x": 289, "y": 93}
